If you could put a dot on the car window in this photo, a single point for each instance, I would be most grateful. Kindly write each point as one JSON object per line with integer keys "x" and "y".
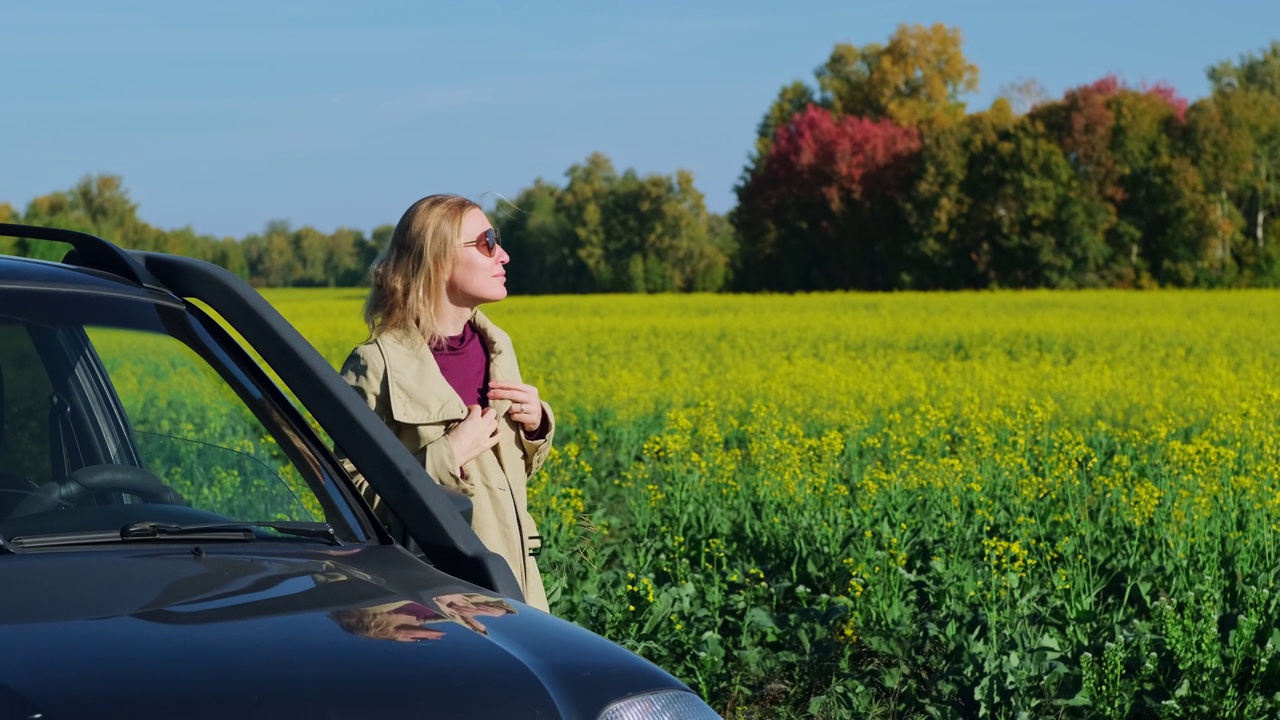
{"x": 24, "y": 401}
{"x": 119, "y": 409}
{"x": 192, "y": 430}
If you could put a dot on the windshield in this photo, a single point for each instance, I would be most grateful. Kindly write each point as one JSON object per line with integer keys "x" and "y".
{"x": 118, "y": 410}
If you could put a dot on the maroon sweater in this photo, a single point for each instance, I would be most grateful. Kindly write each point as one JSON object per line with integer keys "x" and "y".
{"x": 464, "y": 362}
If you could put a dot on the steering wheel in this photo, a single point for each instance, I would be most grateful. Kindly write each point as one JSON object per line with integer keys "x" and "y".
{"x": 93, "y": 479}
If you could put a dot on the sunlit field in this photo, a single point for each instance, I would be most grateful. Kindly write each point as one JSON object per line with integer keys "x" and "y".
{"x": 911, "y": 505}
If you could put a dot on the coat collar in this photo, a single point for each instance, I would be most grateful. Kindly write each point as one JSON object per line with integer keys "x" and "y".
{"x": 417, "y": 389}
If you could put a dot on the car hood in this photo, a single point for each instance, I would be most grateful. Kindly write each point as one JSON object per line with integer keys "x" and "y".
{"x": 218, "y": 631}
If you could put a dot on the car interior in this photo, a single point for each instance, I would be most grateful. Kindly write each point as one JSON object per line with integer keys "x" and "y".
{"x": 104, "y": 426}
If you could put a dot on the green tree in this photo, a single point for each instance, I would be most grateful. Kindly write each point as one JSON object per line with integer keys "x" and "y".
{"x": 8, "y": 245}
{"x": 1163, "y": 214}
{"x": 1123, "y": 146}
{"x": 343, "y": 256}
{"x": 791, "y": 99}
{"x": 229, "y": 253}
{"x": 1251, "y": 136}
{"x": 100, "y": 205}
{"x": 937, "y": 209}
{"x": 270, "y": 255}
{"x": 1026, "y": 225}
{"x": 585, "y": 202}
{"x": 611, "y": 232}
{"x": 1177, "y": 216}
{"x": 368, "y": 252}
{"x": 1238, "y": 141}
{"x": 1259, "y": 71}
{"x": 540, "y": 240}
{"x": 678, "y": 251}
{"x": 311, "y": 258}
{"x": 96, "y": 204}
{"x": 1081, "y": 125}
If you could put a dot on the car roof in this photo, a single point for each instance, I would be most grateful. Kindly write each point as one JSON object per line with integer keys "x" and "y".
{"x": 28, "y": 272}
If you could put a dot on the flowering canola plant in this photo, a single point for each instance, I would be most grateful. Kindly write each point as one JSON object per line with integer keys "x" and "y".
{"x": 974, "y": 503}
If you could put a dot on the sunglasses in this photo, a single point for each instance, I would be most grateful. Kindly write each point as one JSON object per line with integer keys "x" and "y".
{"x": 486, "y": 242}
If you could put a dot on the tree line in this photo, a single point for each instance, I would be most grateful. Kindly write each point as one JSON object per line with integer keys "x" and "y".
{"x": 875, "y": 176}
{"x": 279, "y": 256}
{"x": 879, "y": 178}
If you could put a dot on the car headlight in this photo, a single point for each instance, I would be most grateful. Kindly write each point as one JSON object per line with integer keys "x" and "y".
{"x": 662, "y": 705}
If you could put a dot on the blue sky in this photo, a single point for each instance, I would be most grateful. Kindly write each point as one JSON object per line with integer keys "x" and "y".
{"x": 224, "y": 115}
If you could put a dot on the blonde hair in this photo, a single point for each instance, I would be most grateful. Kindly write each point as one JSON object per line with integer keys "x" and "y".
{"x": 369, "y": 622}
{"x": 411, "y": 274}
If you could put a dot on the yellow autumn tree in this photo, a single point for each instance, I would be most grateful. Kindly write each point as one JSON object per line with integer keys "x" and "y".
{"x": 917, "y": 79}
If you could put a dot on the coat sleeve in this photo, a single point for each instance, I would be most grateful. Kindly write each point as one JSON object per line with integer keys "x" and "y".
{"x": 535, "y": 451}
{"x": 442, "y": 466}
{"x": 365, "y": 373}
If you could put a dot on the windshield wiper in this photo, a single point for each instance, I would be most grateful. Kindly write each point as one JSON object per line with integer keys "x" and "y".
{"x": 150, "y": 530}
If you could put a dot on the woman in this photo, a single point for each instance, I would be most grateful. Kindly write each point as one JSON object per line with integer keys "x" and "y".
{"x": 445, "y": 379}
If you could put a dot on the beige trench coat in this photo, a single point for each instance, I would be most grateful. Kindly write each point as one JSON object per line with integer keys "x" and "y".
{"x": 400, "y": 380}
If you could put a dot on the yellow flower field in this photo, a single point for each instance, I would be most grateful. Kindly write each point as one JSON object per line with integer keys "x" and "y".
{"x": 912, "y": 504}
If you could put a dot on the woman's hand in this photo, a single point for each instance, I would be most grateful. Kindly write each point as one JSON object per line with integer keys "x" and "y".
{"x": 474, "y": 434}
{"x": 526, "y": 408}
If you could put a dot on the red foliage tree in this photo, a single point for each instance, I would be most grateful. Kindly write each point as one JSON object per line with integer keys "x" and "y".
{"x": 824, "y": 211}
{"x": 845, "y": 158}
{"x": 1119, "y": 140}
{"x": 1170, "y": 96}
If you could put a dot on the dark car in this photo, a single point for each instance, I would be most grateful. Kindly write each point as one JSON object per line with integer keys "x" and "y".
{"x": 178, "y": 540}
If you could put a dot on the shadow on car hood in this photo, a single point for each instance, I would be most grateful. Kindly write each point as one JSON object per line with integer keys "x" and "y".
{"x": 222, "y": 632}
